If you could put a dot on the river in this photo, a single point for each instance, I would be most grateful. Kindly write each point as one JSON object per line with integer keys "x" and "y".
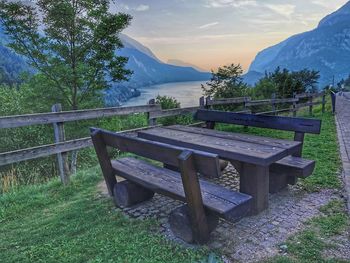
{"x": 187, "y": 93}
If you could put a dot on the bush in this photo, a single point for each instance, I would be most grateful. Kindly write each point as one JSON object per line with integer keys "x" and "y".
{"x": 168, "y": 103}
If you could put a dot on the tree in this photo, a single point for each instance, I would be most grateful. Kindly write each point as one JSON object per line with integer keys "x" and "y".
{"x": 286, "y": 83}
{"x": 71, "y": 43}
{"x": 227, "y": 82}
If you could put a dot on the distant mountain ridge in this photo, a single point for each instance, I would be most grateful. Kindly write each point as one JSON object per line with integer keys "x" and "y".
{"x": 326, "y": 49}
{"x": 147, "y": 69}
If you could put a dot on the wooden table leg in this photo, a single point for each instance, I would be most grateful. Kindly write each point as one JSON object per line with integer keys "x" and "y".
{"x": 254, "y": 180}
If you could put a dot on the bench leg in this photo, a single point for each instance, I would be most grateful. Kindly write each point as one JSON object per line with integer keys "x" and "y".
{"x": 180, "y": 223}
{"x": 126, "y": 194}
{"x": 277, "y": 182}
{"x": 254, "y": 181}
{"x": 223, "y": 164}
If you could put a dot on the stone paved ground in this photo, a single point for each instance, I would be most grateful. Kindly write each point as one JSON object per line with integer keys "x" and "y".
{"x": 253, "y": 238}
{"x": 343, "y": 127}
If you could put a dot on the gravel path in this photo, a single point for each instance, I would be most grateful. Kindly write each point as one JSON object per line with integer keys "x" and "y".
{"x": 343, "y": 127}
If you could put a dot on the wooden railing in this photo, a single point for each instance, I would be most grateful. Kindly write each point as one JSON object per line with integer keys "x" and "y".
{"x": 57, "y": 118}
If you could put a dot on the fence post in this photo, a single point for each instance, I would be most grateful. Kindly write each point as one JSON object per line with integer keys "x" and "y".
{"x": 324, "y": 102}
{"x": 207, "y": 104}
{"x": 294, "y": 105}
{"x": 151, "y": 122}
{"x": 202, "y": 102}
{"x": 273, "y": 97}
{"x": 311, "y": 106}
{"x": 62, "y": 158}
{"x": 333, "y": 97}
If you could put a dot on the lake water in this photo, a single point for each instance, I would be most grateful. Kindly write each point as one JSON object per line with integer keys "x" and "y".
{"x": 187, "y": 93}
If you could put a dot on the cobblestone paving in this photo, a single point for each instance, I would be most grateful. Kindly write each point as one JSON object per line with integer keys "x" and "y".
{"x": 253, "y": 238}
{"x": 343, "y": 127}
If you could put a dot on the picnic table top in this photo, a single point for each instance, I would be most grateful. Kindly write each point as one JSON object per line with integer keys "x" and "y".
{"x": 230, "y": 146}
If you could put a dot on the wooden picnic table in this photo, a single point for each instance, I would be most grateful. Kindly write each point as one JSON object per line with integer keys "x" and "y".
{"x": 251, "y": 155}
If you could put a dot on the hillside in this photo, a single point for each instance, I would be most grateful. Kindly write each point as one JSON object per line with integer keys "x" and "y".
{"x": 326, "y": 49}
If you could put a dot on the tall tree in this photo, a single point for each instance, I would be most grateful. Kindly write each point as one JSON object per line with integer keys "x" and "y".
{"x": 72, "y": 44}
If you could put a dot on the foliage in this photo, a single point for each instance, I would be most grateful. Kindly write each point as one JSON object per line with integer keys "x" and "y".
{"x": 168, "y": 103}
{"x": 53, "y": 223}
{"x": 226, "y": 82}
{"x": 343, "y": 85}
{"x": 75, "y": 55}
{"x": 284, "y": 83}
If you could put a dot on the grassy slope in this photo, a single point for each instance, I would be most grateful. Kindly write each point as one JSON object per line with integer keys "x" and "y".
{"x": 50, "y": 223}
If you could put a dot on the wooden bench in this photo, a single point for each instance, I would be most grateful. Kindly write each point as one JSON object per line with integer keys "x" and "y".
{"x": 287, "y": 170}
{"x": 205, "y": 201}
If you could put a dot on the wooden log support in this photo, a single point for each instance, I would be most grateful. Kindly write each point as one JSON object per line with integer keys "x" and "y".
{"x": 202, "y": 102}
{"x": 323, "y": 102}
{"x": 62, "y": 157}
{"x": 311, "y": 105}
{"x": 181, "y": 226}
{"x": 295, "y": 105}
{"x": 193, "y": 197}
{"x": 273, "y": 104}
{"x": 103, "y": 158}
{"x": 126, "y": 194}
{"x": 151, "y": 121}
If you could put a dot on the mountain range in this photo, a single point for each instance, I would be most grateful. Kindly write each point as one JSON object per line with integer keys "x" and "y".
{"x": 325, "y": 49}
{"x": 147, "y": 69}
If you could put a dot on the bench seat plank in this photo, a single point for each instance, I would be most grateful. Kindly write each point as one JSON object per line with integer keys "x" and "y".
{"x": 294, "y": 166}
{"x": 225, "y": 203}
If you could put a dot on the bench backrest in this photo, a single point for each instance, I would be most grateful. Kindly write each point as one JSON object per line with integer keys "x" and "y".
{"x": 206, "y": 163}
{"x": 299, "y": 125}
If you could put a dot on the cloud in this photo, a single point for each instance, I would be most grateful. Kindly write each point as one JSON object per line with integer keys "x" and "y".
{"x": 232, "y": 3}
{"x": 142, "y": 8}
{"x": 208, "y": 25}
{"x": 285, "y": 10}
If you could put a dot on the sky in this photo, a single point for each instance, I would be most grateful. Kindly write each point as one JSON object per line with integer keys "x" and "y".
{"x": 212, "y": 33}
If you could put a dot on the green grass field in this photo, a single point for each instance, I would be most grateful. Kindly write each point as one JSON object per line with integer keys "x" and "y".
{"x": 52, "y": 223}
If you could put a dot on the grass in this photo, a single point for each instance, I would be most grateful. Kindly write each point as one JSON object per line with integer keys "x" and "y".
{"x": 52, "y": 223}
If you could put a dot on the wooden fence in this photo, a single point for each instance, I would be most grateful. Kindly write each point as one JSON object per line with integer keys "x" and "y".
{"x": 57, "y": 118}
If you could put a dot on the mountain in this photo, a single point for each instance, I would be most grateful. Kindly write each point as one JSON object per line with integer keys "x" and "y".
{"x": 178, "y": 62}
{"x": 147, "y": 69}
{"x": 326, "y": 49}
{"x": 11, "y": 65}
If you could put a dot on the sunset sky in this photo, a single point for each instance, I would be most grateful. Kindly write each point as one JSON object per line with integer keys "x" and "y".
{"x": 210, "y": 33}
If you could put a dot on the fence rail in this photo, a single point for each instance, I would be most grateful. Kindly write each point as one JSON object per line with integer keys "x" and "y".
{"x": 57, "y": 118}
{"x": 67, "y": 116}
